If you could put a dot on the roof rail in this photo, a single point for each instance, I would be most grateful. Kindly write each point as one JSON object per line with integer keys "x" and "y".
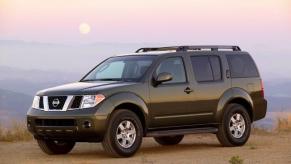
{"x": 190, "y": 48}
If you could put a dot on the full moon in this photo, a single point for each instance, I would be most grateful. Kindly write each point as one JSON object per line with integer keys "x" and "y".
{"x": 84, "y": 28}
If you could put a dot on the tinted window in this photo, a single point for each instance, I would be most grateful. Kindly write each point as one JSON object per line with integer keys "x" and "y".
{"x": 206, "y": 68}
{"x": 125, "y": 68}
{"x": 216, "y": 67}
{"x": 242, "y": 66}
{"x": 202, "y": 68}
{"x": 175, "y": 66}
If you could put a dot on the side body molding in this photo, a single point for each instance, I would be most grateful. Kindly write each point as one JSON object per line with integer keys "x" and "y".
{"x": 227, "y": 97}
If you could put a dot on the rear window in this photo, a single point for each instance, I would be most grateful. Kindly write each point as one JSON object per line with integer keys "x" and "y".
{"x": 206, "y": 68}
{"x": 242, "y": 66}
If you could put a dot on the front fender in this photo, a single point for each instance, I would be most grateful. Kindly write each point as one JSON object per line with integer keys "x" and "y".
{"x": 121, "y": 98}
{"x": 227, "y": 97}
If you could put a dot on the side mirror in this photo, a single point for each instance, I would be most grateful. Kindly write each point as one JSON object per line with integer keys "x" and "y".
{"x": 163, "y": 77}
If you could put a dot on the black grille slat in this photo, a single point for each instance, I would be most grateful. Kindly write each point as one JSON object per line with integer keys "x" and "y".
{"x": 53, "y": 99}
{"x": 55, "y": 122}
{"x": 76, "y": 102}
{"x": 41, "y": 103}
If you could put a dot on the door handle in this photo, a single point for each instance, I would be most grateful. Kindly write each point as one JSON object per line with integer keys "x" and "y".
{"x": 188, "y": 90}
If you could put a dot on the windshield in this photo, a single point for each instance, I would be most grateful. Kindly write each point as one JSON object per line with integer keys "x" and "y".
{"x": 124, "y": 68}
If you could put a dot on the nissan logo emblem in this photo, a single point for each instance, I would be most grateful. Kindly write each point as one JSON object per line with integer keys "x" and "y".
{"x": 56, "y": 102}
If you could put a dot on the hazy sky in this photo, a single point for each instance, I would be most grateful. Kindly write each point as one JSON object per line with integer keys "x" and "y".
{"x": 262, "y": 27}
{"x": 171, "y": 21}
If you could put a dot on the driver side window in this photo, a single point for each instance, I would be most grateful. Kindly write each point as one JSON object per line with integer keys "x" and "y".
{"x": 174, "y": 66}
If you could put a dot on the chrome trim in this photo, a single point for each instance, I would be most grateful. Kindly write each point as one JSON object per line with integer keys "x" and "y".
{"x": 67, "y": 103}
{"x": 45, "y": 103}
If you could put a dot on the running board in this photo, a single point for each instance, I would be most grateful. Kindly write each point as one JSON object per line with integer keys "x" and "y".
{"x": 174, "y": 132}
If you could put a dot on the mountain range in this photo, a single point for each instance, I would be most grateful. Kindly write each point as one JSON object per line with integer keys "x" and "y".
{"x": 26, "y": 67}
{"x": 17, "y": 88}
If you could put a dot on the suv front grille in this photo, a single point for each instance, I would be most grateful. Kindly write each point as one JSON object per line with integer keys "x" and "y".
{"x": 56, "y": 102}
{"x": 59, "y": 103}
{"x": 55, "y": 122}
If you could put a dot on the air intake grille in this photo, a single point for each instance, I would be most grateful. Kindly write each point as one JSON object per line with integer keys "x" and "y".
{"x": 55, "y": 122}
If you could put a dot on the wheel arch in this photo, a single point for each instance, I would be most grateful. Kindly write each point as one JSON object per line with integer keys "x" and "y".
{"x": 234, "y": 95}
{"x": 132, "y": 102}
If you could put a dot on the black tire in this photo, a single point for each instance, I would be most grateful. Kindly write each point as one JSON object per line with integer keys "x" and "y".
{"x": 55, "y": 147}
{"x": 169, "y": 140}
{"x": 110, "y": 142}
{"x": 225, "y": 135}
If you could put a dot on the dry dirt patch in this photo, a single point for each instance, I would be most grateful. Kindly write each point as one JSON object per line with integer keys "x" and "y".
{"x": 261, "y": 148}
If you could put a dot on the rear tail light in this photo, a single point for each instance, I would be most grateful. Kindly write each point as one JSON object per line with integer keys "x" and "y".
{"x": 262, "y": 89}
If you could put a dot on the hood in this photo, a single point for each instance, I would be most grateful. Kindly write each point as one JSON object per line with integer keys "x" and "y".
{"x": 81, "y": 88}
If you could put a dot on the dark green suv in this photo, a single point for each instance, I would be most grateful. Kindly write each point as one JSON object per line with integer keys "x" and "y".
{"x": 162, "y": 92}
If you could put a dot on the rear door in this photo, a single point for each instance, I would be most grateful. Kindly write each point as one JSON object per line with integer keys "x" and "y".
{"x": 209, "y": 82}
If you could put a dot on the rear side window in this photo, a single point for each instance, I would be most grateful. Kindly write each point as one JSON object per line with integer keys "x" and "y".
{"x": 242, "y": 66}
{"x": 206, "y": 68}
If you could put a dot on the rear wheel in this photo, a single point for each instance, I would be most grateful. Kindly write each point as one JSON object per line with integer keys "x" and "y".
{"x": 235, "y": 128}
{"x": 124, "y": 134}
{"x": 169, "y": 140}
{"x": 55, "y": 147}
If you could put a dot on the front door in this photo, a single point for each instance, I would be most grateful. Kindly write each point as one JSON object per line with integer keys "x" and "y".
{"x": 170, "y": 101}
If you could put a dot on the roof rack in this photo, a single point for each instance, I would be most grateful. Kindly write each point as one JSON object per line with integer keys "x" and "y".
{"x": 190, "y": 48}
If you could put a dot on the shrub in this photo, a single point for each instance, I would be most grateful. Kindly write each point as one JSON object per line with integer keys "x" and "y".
{"x": 236, "y": 160}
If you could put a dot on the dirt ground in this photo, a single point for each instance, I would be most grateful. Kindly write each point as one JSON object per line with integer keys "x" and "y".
{"x": 261, "y": 148}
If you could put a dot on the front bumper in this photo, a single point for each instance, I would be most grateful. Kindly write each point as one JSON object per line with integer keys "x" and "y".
{"x": 79, "y": 125}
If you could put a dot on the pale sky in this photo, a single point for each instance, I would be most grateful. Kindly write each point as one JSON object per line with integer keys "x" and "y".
{"x": 261, "y": 27}
{"x": 172, "y": 21}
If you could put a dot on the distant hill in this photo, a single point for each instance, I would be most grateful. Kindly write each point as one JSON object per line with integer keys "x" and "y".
{"x": 279, "y": 104}
{"x": 26, "y": 67}
{"x": 13, "y": 105}
{"x": 65, "y": 58}
{"x": 30, "y": 81}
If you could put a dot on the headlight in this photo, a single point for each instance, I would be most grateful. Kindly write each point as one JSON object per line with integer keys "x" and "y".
{"x": 35, "y": 103}
{"x": 90, "y": 101}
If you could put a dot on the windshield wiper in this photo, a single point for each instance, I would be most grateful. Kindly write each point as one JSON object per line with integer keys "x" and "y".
{"x": 109, "y": 79}
{"x": 88, "y": 80}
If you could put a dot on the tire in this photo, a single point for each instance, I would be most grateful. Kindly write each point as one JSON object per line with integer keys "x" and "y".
{"x": 55, "y": 147}
{"x": 235, "y": 128}
{"x": 169, "y": 140}
{"x": 126, "y": 142}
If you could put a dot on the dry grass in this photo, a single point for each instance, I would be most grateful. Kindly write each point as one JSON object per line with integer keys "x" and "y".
{"x": 283, "y": 124}
{"x": 17, "y": 132}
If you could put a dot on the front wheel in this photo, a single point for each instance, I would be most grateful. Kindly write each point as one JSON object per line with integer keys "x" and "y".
{"x": 235, "y": 128}
{"x": 55, "y": 147}
{"x": 169, "y": 140}
{"x": 124, "y": 134}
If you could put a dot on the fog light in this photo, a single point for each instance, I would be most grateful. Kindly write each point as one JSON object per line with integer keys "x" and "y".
{"x": 87, "y": 124}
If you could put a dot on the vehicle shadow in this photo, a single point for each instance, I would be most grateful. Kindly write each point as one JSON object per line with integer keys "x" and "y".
{"x": 148, "y": 149}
